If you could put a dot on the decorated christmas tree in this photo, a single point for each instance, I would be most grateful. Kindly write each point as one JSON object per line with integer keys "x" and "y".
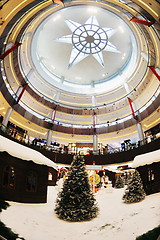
{"x": 119, "y": 182}
{"x": 134, "y": 191}
{"x": 76, "y": 202}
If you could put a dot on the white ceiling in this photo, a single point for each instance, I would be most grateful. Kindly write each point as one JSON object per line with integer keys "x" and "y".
{"x": 51, "y": 57}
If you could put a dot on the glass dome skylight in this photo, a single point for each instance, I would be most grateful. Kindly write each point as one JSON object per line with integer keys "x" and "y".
{"x": 80, "y": 51}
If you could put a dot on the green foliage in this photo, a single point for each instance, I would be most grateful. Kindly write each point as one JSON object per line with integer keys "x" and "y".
{"x": 76, "y": 202}
{"x": 134, "y": 191}
{"x": 3, "y": 205}
{"x": 7, "y": 232}
{"x": 150, "y": 235}
{"x": 119, "y": 182}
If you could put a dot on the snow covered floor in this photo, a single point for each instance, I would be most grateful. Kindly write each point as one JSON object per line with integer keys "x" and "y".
{"x": 116, "y": 219}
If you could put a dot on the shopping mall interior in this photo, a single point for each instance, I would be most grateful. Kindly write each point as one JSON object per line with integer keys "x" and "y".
{"x": 80, "y": 76}
{"x": 79, "y": 80}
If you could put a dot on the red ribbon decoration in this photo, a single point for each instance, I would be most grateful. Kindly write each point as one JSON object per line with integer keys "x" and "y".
{"x": 131, "y": 106}
{"x": 155, "y": 73}
{"x": 54, "y": 115}
{"x": 62, "y": 169}
{"x": 20, "y": 95}
{"x": 3, "y": 55}
{"x": 141, "y": 21}
{"x": 60, "y": 2}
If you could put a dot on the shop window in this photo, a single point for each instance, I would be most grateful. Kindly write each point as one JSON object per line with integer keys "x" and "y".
{"x": 150, "y": 175}
{"x": 31, "y": 185}
{"x": 9, "y": 177}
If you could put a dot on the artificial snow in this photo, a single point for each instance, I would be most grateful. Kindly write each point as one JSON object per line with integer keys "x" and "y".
{"x": 116, "y": 220}
{"x": 24, "y": 153}
{"x": 146, "y": 159}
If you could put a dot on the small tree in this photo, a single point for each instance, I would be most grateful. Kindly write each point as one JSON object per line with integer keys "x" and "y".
{"x": 76, "y": 202}
{"x": 134, "y": 191}
{"x": 119, "y": 182}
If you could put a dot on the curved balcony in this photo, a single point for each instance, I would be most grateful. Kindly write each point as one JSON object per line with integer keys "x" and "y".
{"x": 107, "y": 122}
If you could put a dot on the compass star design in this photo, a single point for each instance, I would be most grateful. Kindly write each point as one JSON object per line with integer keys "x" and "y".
{"x": 88, "y": 39}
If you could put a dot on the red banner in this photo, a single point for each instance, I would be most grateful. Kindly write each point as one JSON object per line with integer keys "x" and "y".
{"x": 54, "y": 115}
{"x": 141, "y": 21}
{"x": 20, "y": 95}
{"x": 3, "y": 55}
{"x": 60, "y": 2}
{"x": 155, "y": 73}
{"x": 131, "y": 106}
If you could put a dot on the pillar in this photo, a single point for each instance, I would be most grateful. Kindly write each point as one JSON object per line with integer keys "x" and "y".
{"x": 93, "y": 101}
{"x": 57, "y": 96}
{"x": 95, "y": 137}
{"x": 140, "y": 131}
{"x": 95, "y": 144}
{"x": 126, "y": 86}
{"x": 49, "y": 137}
{"x": 7, "y": 116}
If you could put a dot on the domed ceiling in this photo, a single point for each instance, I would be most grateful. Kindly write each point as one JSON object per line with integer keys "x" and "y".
{"x": 81, "y": 64}
{"x": 80, "y": 47}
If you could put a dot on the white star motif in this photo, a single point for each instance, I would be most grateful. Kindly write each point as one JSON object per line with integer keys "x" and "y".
{"x": 88, "y": 39}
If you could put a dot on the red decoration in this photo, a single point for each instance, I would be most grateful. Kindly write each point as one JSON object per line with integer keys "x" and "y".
{"x": 20, "y": 95}
{"x": 141, "y": 21}
{"x": 94, "y": 119}
{"x": 131, "y": 106}
{"x": 62, "y": 169}
{"x": 54, "y": 115}
{"x": 155, "y": 73}
{"x": 3, "y": 55}
{"x": 60, "y": 2}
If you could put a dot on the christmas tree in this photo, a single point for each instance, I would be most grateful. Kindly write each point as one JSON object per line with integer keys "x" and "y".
{"x": 76, "y": 202}
{"x": 134, "y": 191}
{"x": 128, "y": 178}
{"x": 119, "y": 182}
